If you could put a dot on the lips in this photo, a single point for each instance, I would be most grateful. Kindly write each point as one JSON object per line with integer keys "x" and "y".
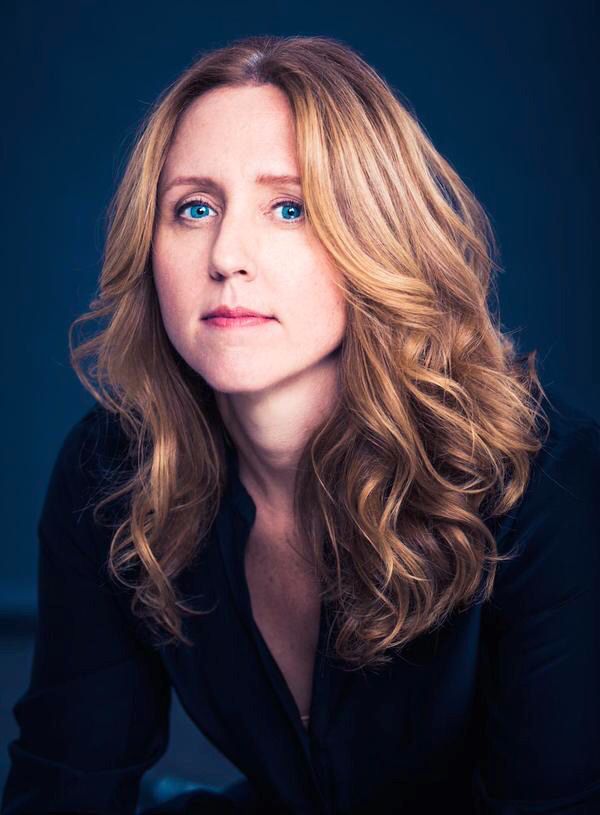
{"x": 238, "y": 311}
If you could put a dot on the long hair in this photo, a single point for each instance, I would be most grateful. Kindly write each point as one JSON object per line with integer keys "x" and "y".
{"x": 437, "y": 419}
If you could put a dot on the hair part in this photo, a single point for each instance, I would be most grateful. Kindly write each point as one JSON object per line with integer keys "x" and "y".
{"x": 437, "y": 419}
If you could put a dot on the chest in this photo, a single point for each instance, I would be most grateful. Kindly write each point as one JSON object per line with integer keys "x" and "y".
{"x": 286, "y": 606}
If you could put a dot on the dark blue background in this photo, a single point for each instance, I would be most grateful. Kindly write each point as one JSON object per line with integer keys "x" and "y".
{"x": 506, "y": 91}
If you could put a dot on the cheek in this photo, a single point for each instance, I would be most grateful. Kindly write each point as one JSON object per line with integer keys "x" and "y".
{"x": 174, "y": 280}
{"x": 316, "y": 304}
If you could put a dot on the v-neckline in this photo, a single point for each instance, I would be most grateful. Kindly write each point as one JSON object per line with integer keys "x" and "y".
{"x": 243, "y": 502}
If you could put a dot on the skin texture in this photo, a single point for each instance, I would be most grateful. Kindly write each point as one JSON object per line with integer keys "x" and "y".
{"x": 274, "y": 383}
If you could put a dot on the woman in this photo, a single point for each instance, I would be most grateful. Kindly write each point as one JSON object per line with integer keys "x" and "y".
{"x": 337, "y": 528}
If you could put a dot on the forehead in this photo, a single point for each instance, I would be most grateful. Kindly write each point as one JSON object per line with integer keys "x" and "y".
{"x": 239, "y": 127}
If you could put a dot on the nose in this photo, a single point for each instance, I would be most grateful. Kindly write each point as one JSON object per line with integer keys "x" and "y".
{"x": 233, "y": 246}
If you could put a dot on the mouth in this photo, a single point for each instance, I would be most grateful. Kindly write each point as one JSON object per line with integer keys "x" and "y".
{"x": 243, "y": 321}
{"x": 237, "y": 311}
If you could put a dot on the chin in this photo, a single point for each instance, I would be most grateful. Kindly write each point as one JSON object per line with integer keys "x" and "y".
{"x": 238, "y": 384}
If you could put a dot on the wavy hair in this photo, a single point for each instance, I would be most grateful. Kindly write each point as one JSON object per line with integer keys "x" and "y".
{"x": 438, "y": 416}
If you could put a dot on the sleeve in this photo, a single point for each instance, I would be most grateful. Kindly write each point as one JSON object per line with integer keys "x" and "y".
{"x": 540, "y": 747}
{"x": 95, "y": 715}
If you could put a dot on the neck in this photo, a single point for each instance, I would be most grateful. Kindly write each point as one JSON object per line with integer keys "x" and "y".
{"x": 270, "y": 429}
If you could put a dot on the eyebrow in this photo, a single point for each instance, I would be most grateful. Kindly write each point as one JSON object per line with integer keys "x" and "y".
{"x": 265, "y": 179}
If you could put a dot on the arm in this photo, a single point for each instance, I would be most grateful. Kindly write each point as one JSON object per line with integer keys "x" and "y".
{"x": 541, "y": 652}
{"x": 95, "y": 715}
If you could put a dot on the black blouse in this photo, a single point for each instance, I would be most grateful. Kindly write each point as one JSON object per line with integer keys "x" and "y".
{"x": 496, "y": 712}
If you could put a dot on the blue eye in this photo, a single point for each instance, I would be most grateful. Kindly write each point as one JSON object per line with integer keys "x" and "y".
{"x": 198, "y": 209}
{"x": 195, "y": 206}
{"x": 291, "y": 205}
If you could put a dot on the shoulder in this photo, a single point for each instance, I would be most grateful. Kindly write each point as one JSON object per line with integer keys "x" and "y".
{"x": 552, "y": 534}
{"x": 95, "y": 440}
{"x": 90, "y": 461}
{"x": 564, "y": 475}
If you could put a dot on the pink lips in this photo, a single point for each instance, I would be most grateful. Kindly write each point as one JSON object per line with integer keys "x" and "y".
{"x": 236, "y": 322}
{"x": 225, "y": 317}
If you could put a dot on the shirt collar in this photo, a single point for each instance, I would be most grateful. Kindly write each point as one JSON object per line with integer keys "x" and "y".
{"x": 235, "y": 492}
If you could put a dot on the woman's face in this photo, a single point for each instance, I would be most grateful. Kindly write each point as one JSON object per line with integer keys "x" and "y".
{"x": 226, "y": 239}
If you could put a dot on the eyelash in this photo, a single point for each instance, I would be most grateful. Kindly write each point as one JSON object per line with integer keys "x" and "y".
{"x": 200, "y": 202}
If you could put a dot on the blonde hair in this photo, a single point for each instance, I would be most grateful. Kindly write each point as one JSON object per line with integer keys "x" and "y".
{"x": 436, "y": 423}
